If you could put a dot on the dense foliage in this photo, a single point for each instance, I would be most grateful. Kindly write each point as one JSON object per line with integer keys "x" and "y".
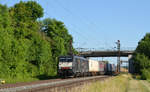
{"x": 29, "y": 48}
{"x": 142, "y": 57}
{"x": 60, "y": 39}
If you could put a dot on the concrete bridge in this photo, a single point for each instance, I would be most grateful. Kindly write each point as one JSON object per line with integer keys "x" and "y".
{"x": 109, "y": 53}
{"x": 104, "y": 53}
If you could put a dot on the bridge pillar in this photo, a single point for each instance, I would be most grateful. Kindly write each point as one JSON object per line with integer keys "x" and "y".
{"x": 129, "y": 56}
{"x": 130, "y": 66}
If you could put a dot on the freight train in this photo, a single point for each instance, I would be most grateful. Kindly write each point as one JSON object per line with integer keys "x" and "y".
{"x": 79, "y": 66}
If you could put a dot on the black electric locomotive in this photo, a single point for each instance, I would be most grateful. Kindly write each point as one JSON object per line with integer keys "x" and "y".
{"x": 72, "y": 66}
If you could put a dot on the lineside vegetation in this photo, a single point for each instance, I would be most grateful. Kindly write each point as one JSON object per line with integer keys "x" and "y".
{"x": 141, "y": 58}
{"x": 29, "y": 48}
{"x": 120, "y": 83}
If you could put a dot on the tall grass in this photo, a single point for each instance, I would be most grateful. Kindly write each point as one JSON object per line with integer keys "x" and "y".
{"x": 122, "y": 83}
{"x": 115, "y": 84}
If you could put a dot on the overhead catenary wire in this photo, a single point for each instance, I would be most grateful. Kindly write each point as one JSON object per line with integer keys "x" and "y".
{"x": 75, "y": 27}
{"x": 71, "y": 25}
{"x": 87, "y": 36}
{"x": 69, "y": 12}
{"x": 84, "y": 36}
{"x": 82, "y": 18}
{"x": 88, "y": 23}
{"x": 76, "y": 32}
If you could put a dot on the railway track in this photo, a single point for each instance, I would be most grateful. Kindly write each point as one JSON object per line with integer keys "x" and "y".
{"x": 55, "y": 85}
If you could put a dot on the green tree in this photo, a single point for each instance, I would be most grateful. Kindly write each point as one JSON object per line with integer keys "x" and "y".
{"x": 24, "y": 52}
{"x": 60, "y": 38}
{"x": 141, "y": 57}
{"x": 27, "y": 49}
{"x": 26, "y": 11}
{"x": 37, "y": 50}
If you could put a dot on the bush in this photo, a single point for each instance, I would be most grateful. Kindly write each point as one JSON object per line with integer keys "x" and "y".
{"x": 145, "y": 74}
{"x": 138, "y": 77}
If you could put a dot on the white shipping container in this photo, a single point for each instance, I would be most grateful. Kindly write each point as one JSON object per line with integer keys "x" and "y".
{"x": 93, "y": 66}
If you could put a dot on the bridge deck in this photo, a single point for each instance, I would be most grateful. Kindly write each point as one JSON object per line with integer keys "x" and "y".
{"x": 105, "y": 53}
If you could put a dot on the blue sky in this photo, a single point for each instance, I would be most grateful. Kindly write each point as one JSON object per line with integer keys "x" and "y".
{"x": 99, "y": 23}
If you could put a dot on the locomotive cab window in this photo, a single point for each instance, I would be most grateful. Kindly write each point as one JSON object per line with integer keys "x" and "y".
{"x": 65, "y": 59}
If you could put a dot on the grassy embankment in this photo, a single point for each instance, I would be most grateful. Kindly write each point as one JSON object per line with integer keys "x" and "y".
{"x": 121, "y": 83}
{"x": 27, "y": 79}
{"x": 17, "y": 80}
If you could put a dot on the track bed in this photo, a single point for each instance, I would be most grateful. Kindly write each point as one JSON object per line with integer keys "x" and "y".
{"x": 53, "y": 85}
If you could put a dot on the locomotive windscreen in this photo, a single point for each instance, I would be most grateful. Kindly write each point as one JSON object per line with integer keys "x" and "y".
{"x": 65, "y": 59}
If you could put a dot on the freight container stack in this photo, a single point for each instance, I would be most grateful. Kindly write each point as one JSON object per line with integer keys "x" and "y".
{"x": 108, "y": 68}
{"x": 101, "y": 67}
{"x": 93, "y": 67}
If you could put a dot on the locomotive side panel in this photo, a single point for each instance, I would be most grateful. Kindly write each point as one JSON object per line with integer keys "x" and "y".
{"x": 80, "y": 66}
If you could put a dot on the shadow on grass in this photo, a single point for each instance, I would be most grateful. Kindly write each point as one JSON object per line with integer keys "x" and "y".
{"x": 45, "y": 77}
{"x": 137, "y": 76}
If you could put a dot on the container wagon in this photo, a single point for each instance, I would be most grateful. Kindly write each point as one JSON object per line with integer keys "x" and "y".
{"x": 108, "y": 69}
{"x": 94, "y": 67}
{"x": 102, "y": 67}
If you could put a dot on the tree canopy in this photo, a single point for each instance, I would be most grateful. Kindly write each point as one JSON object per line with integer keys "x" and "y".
{"x": 141, "y": 57}
{"x": 29, "y": 48}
